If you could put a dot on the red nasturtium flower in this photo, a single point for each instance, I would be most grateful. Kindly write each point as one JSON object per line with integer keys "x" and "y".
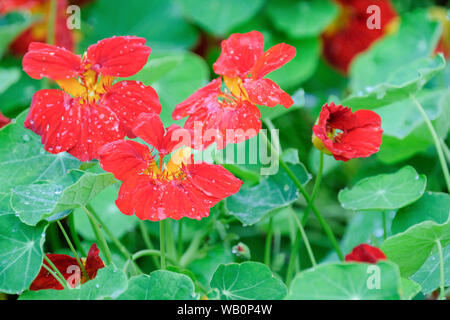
{"x": 155, "y": 191}
{"x": 90, "y": 111}
{"x": 440, "y": 14}
{"x": 37, "y": 32}
{"x": 4, "y": 120}
{"x": 365, "y": 253}
{"x": 349, "y": 35}
{"x": 243, "y": 65}
{"x": 346, "y": 134}
{"x": 66, "y": 265}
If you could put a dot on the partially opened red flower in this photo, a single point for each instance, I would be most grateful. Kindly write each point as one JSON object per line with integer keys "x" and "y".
{"x": 155, "y": 191}
{"x": 440, "y": 14}
{"x": 4, "y": 120}
{"x": 90, "y": 110}
{"x": 37, "y": 32}
{"x": 69, "y": 268}
{"x": 346, "y": 134}
{"x": 244, "y": 64}
{"x": 365, "y": 253}
{"x": 349, "y": 35}
{"x": 214, "y": 116}
{"x": 230, "y": 115}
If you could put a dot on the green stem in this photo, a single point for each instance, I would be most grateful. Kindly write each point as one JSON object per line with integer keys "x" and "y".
{"x": 74, "y": 252}
{"x": 305, "y": 239}
{"x": 57, "y": 274}
{"x": 441, "y": 270}
{"x": 162, "y": 243}
{"x": 150, "y": 253}
{"x": 268, "y": 242}
{"x": 61, "y": 282}
{"x": 302, "y": 190}
{"x": 315, "y": 189}
{"x": 180, "y": 239}
{"x": 191, "y": 251}
{"x": 437, "y": 143}
{"x": 52, "y": 22}
{"x": 148, "y": 241}
{"x": 383, "y": 216}
{"x": 74, "y": 235}
{"x": 170, "y": 244}
{"x": 100, "y": 237}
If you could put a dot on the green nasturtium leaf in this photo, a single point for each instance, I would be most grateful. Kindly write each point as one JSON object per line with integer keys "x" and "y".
{"x": 247, "y": 281}
{"x": 104, "y": 205}
{"x": 347, "y": 281}
{"x": 429, "y": 276}
{"x": 20, "y": 253}
{"x": 384, "y": 191}
{"x": 252, "y": 203}
{"x": 160, "y": 285}
{"x": 410, "y": 249}
{"x": 23, "y": 161}
{"x": 302, "y": 18}
{"x": 399, "y": 85}
{"x": 148, "y": 19}
{"x": 433, "y": 206}
{"x": 218, "y": 17}
{"x": 410, "y": 288}
{"x": 11, "y": 25}
{"x": 109, "y": 283}
{"x": 395, "y": 59}
{"x": 36, "y": 202}
{"x": 174, "y": 76}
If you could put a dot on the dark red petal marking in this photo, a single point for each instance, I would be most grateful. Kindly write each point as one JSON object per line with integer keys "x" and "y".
{"x": 272, "y": 59}
{"x": 239, "y": 54}
{"x": 118, "y": 56}
{"x": 124, "y": 158}
{"x": 267, "y": 93}
{"x": 44, "y": 60}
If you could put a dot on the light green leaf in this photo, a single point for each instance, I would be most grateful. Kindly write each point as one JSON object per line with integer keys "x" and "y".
{"x": 428, "y": 276}
{"x": 23, "y": 161}
{"x": 252, "y": 203}
{"x": 20, "y": 253}
{"x": 247, "y": 281}
{"x": 409, "y": 288}
{"x": 433, "y": 206}
{"x": 400, "y": 59}
{"x": 410, "y": 249}
{"x": 219, "y": 16}
{"x": 109, "y": 283}
{"x": 36, "y": 202}
{"x": 302, "y": 18}
{"x": 399, "y": 85}
{"x": 148, "y": 19}
{"x": 8, "y": 76}
{"x": 384, "y": 191}
{"x": 347, "y": 281}
{"x": 160, "y": 285}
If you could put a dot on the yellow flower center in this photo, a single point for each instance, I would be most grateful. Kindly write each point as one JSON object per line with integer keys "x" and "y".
{"x": 173, "y": 169}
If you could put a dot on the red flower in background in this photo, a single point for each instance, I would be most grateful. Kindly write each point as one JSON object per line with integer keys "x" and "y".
{"x": 37, "y": 32}
{"x": 443, "y": 46}
{"x": 66, "y": 265}
{"x": 346, "y": 134}
{"x": 3, "y": 120}
{"x": 212, "y": 112}
{"x": 349, "y": 35}
{"x": 180, "y": 188}
{"x": 365, "y": 253}
{"x": 90, "y": 111}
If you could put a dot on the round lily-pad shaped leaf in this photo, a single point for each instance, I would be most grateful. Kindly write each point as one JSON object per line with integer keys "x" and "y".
{"x": 247, "y": 281}
{"x": 385, "y": 191}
